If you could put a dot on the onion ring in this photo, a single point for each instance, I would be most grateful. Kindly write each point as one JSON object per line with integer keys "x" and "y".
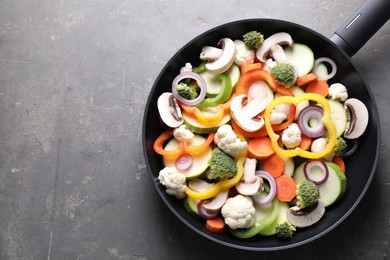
{"x": 189, "y": 75}
{"x": 259, "y": 199}
{"x": 316, "y": 171}
{"x": 308, "y": 113}
{"x": 327, "y": 60}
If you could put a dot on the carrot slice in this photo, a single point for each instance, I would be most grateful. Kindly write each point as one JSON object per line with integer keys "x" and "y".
{"x": 305, "y": 142}
{"x": 215, "y": 225}
{"x": 304, "y": 80}
{"x": 251, "y": 66}
{"x": 274, "y": 165}
{"x": 260, "y": 147}
{"x": 318, "y": 87}
{"x": 285, "y": 188}
{"x": 340, "y": 162}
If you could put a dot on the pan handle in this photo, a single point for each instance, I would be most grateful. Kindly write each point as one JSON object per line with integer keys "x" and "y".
{"x": 362, "y": 25}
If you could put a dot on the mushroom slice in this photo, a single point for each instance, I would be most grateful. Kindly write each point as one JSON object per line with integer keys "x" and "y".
{"x": 278, "y": 54}
{"x": 169, "y": 110}
{"x": 357, "y": 118}
{"x": 281, "y": 38}
{"x": 217, "y": 202}
{"x": 307, "y": 216}
{"x": 210, "y": 53}
{"x": 245, "y": 119}
{"x": 251, "y": 184}
{"x": 224, "y": 62}
{"x": 250, "y": 188}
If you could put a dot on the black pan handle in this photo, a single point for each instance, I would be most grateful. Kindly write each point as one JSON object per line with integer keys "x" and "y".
{"x": 362, "y": 25}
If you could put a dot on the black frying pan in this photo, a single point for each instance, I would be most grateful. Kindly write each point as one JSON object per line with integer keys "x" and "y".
{"x": 361, "y": 166}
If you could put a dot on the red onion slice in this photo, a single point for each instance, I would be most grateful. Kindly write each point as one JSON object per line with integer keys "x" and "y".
{"x": 201, "y": 83}
{"x": 316, "y": 171}
{"x": 183, "y": 162}
{"x": 204, "y": 213}
{"x": 260, "y": 199}
{"x": 308, "y": 114}
{"x": 331, "y": 63}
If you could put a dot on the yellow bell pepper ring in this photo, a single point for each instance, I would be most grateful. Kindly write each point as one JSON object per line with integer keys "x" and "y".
{"x": 221, "y": 185}
{"x": 326, "y": 120}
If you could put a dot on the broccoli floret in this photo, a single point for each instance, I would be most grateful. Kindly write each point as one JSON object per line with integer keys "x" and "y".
{"x": 340, "y": 147}
{"x": 283, "y": 73}
{"x": 186, "y": 91}
{"x": 253, "y": 39}
{"x": 284, "y": 230}
{"x": 222, "y": 165}
{"x": 307, "y": 194}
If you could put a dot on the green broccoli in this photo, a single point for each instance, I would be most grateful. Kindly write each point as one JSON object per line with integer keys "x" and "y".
{"x": 222, "y": 165}
{"x": 283, "y": 73}
{"x": 186, "y": 91}
{"x": 340, "y": 147}
{"x": 307, "y": 194}
{"x": 284, "y": 230}
{"x": 253, "y": 39}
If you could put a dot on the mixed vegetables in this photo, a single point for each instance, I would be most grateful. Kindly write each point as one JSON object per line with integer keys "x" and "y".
{"x": 257, "y": 137}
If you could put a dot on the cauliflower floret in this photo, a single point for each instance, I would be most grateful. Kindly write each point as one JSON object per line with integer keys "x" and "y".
{"x": 174, "y": 182}
{"x": 318, "y": 145}
{"x": 244, "y": 54}
{"x": 338, "y": 91}
{"x": 227, "y": 141}
{"x": 182, "y": 134}
{"x": 269, "y": 64}
{"x": 291, "y": 136}
{"x": 187, "y": 67}
{"x": 238, "y": 212}
{"x": 277, "y": 117}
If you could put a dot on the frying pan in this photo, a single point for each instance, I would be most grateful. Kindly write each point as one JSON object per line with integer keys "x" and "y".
{"x": 361, "y": 166}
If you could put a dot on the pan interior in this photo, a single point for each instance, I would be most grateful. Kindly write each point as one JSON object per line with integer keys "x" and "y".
{"x": 360, "y": 167}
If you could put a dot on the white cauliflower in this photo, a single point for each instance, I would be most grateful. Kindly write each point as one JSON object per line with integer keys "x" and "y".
{"x": 182, "y": 134}
{"x": 227, "y": 141}
{"x": 244, "y": 54}
{"x": 291, "y": 136}
{"x": 277, "y": 117}
{"x": 269, "y": 64}
{"x": 187, "y": 67}
{"x": 238, "y": 212}
{"x": 318, "y": 145}
{"x": 338, "y": 91}
{"x": 174, "y": 181}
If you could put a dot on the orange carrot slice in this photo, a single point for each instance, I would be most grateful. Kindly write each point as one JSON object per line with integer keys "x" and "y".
{"x": 285, "y": 188}
{"x": 274, "y": 165}
{"x": 318, "y": 87}
{"x": 216, "y": 225}
{"x": 260, "y": 147}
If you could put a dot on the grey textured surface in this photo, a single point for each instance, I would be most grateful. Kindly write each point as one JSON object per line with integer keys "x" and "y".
{"x": 74, "y": 78}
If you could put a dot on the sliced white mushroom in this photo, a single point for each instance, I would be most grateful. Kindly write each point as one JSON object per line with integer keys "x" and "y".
{"x": 307, "y": 216}
{"x": 281, "y": 38}
{"x": 278, "y": 54}
{"x": 217, "y": 202}
{"x": 210, "y": 53}
{"x": 357, "y": 118}
{"x": 251, "y": 184}
{"x": 256, "y": 106}
{"x": 244, "y": 119}
{"x": 224, "y": 62}
{"x": 169, "y": 110}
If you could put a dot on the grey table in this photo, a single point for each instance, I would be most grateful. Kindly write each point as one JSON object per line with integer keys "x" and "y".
{"x": 74, "y": 78}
